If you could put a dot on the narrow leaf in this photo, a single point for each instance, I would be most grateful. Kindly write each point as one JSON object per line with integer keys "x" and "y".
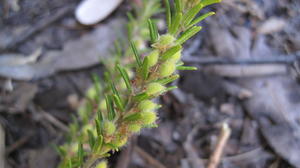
{"x": 169, "y": 53}
{"x": 130, "y": 17}
{"x": 99, "y": 114}
{"x": 97, "y": 85}
{"x": 136, "y": 54}
{"x": 200, "y": 18}
{"x": 190, "y": 15}
{"x": 118, "y": 102}
{"x": 98, "y": 127}
{"x": 133, "y": 117}
{"x": 91, "y": 139}
{"x": 141, "y": 97}
{"x": 111, "y": 114}
{"x": 176, "y": 23}
{"x": 190, "y": 68}
{"x": 188, "y": 34}
{"x": 98, "y": 144}
{"x": 145, "y": 68}
{"x": 171, "y": 88}
{"x": 61, "y": 151}
{"x": 125, "y": 77}
{"x": 168, "y": 79}
{"x": 80, "y": 153}
{"x": 178, "y": 5}
{"x": 168, "y": 13}
{"x": 209, "y": 2}
{"x": 115, "y": 91}
{"x": 153, "y": 31}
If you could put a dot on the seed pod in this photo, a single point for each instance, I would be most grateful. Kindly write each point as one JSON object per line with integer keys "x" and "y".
{"x": 166, "y": 40}
{"x": 134, "y": 128}
{"x": 109, "y": 127}
{"x": 154, "y": 88}
{"x": 148, "y": 117}
{"x": 176, "y": 57}
{"x": 166, "y": 69}
{"x": 147, "y": 105}
{"x": 102, "y": 164}
{"x": 153, "y": 57}
{"x": 102, "y": 105}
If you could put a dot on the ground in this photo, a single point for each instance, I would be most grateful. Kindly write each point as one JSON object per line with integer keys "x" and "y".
{"x": 248, "y": 78}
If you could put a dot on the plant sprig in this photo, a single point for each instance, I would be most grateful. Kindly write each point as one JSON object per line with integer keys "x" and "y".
{"x": 126, "y": 110}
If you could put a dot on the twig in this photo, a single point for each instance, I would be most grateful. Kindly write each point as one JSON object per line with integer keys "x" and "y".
{"x": 18, "y": 143}
{"x": 191, "y": 152}
{"x": 148, "y": 158}
{"x": 284, "y": 59}
{"x": 55, "y": 121}
{"x": 217, "y": 154}
{"x": 39, "y": 26}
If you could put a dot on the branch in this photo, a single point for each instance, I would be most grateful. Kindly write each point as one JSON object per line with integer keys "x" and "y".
{"x": 283, "y": 59}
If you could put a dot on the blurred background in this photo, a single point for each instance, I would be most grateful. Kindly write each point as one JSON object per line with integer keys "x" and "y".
{"x": 248, "y": 57}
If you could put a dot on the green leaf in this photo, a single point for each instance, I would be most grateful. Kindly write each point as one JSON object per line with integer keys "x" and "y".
{"x": 91, "y": 139}
{"x": 97, "y": 85}
{"x": 141, "y": 97}
{"x": 188, "y": 34}
{"x": 209, "y": 2}
{"x": 171, "y": 88}
{"x": 99, "y": 114}
{"x": 98, "y": 127}
{"x": 145, "y": 68}
{"x": 168, "y": 13}
{"x": 60, "y": 150}
{"x": 136, "y": 54}
{"x": 190, "y": 68}
{"x": 168, "y": 80}
{"x": 98, "y": 144}
{"x": 200, "y": 18}
{"x": 70, "y": 163}
{"x": 111, "y": 113}
{"x": 118, "y": 102}
{"x": 133, "y": 117}
{"x": 176, "y": 23}
{"x": 153, "y": 31}
{"x": 115, "y": 91}
{"x": 190, "y": 15}
{"x": 178, "y": 5}
{"x": 125, "y": 77}
{"x": 80, "y": 153}
{"x": 169, "y": 53}
{"x": 130, "y": 17}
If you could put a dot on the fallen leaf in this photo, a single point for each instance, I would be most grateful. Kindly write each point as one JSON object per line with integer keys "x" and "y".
{"x": 76, "y": 54}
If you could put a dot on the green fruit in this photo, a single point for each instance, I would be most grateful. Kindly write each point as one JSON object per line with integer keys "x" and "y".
{"x": 102, "y": 164}
{"x": 147, "y": 105}
{"x": 154, "y": 88}
{"x": 165, "y": 40}
{"x": 134, "y": 128}
{"x": 148, "y": 117}
{"x": 153, "y": 57}
{"x": 176, "y": 57}
{"x": 109, "y": 127}
{"x": 166, "y": 69}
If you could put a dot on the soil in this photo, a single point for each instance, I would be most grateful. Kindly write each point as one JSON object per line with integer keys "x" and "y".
{"x": 259, "y": 101}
